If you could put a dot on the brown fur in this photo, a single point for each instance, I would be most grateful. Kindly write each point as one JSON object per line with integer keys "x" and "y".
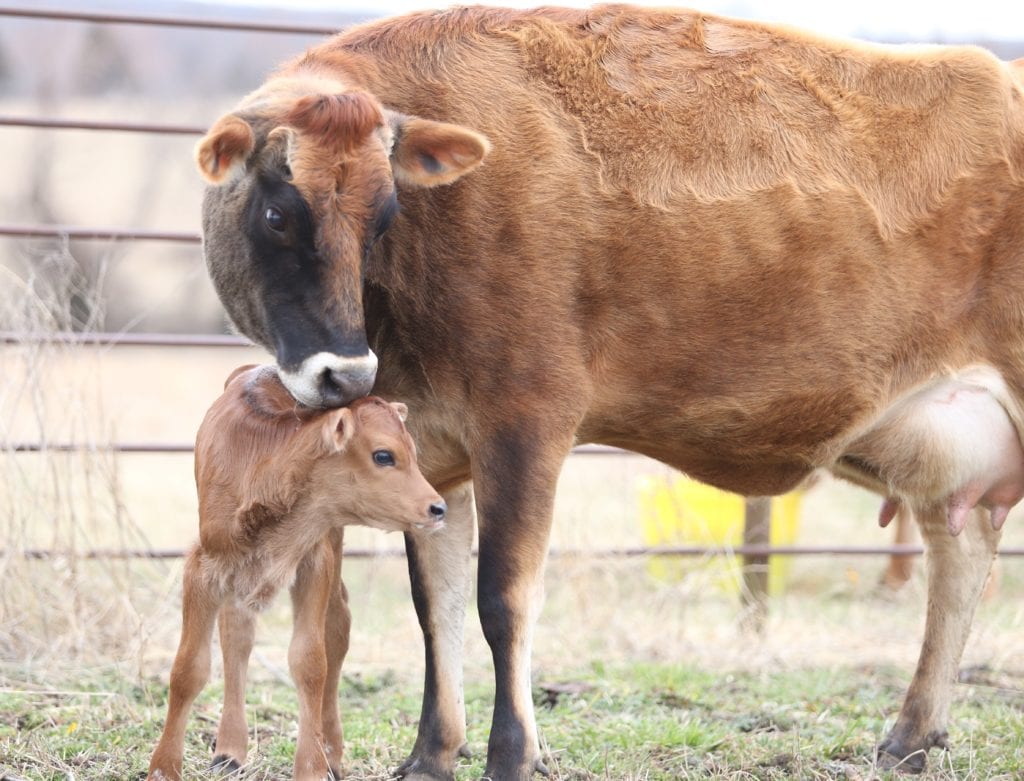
{"x": 727, "y": 245}
{"x": 277, "y": 483}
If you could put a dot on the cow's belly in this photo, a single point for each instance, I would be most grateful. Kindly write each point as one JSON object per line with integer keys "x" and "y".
{"x": 950, "y": 444}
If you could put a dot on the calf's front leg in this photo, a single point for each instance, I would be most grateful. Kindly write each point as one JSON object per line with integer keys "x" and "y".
{"x": 337, "y": 626}
{"x": 307, "y": 660}
{"x": 957, "y": 569}
{"x": 237, "y": 632}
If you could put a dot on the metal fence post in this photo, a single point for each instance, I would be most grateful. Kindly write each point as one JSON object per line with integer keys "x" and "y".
{"x": 754, "y": 596}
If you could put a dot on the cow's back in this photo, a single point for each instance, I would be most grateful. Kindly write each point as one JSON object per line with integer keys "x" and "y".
{"x": 736, "y": 242}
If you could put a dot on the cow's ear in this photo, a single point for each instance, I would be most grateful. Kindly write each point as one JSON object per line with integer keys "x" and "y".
{"x": 221, "y": 153}
{"x": 338, "y": 427}
{"x": 427, "y": 154}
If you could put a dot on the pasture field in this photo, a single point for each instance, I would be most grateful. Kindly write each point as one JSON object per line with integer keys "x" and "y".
{"x": 635, "y": 680}
{"x": 637, "y": 677}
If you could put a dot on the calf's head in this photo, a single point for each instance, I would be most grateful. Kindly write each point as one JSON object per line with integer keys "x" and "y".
{"x": 260, "y": 456}
{"x": 302, "y": 183}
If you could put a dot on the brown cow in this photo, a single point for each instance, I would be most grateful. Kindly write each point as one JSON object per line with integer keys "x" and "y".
{"x": 277, "y": 484}
{"x": 737, "y": 248}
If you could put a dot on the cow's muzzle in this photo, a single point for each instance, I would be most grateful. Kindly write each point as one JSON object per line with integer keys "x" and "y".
{"x": 325, "y": 380}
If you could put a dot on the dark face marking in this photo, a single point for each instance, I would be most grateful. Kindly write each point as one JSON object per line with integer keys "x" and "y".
{"x": 289, "y": 275}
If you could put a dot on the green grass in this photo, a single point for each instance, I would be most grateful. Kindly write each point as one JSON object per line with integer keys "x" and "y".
{"x": 650, "y": 722}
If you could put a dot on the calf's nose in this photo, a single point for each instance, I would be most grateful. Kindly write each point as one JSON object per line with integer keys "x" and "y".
{"x": 438, "y": 510}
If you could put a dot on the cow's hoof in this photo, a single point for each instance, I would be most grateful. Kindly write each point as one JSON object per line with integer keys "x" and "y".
{"x": 223, "y": 765}
{"x": 527, "y": 773}
{"x": 423, "y": 769}
{"x": 895, "y": 754}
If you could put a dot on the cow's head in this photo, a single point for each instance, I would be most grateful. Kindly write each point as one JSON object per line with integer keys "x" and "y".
{"x": 303, "y": 182}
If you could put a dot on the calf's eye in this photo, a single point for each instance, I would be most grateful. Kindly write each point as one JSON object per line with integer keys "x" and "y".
{"x": 383, "y": 458}
{"x": 274, "y": 218}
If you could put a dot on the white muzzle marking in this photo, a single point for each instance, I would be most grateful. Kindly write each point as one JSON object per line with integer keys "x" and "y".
{"x": 306, "y": 383}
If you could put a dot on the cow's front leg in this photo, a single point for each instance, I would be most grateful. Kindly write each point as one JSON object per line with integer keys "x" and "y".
{"x": 439, "y": 573}
{"x": 957, "y": 568}
{"x": 515, "y": 488}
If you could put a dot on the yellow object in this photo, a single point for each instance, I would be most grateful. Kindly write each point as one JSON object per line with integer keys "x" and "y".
{"x": 679, "y": 511}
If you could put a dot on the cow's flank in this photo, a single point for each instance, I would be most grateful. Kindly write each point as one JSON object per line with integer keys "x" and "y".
{"x": 744, "y": 250}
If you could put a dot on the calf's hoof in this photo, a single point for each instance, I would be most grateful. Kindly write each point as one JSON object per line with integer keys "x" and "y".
{"x": 894, "y": 753}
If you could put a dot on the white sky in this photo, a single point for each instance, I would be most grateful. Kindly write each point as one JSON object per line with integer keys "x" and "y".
{"x": 892, "y": 19}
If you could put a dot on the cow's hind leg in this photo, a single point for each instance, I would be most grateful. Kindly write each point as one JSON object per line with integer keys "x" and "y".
{"x": 957, "y": 569}
{"x": 439, "y": 573}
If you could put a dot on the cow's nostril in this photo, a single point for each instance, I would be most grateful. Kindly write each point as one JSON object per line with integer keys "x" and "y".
{"x": 438, "y": 510}
{"x": 332, "y": 389}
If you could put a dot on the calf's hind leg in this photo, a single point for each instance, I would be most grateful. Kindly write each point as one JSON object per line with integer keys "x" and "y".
{"x": 957, "y": 569}
{"x": 190, "y": 671}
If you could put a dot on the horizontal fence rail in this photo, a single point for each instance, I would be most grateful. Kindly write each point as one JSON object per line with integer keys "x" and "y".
{"x": 86, "y": 232}
{"x": 100, "y": 339}
{"x": 228, "y": 25}
{"x": 673, "y": 551}
{"x": 183, "y": 447}
{"x": 54, "y": 123}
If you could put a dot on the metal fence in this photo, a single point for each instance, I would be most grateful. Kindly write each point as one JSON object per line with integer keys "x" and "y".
{"x": 756, "y": 554}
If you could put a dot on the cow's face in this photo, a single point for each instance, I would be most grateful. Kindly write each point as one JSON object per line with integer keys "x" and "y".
{"x": 302, "y": 184}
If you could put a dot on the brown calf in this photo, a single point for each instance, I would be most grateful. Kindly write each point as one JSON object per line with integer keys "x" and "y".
{"x": 743, "y": 250}
{"x": 277, "y": 483}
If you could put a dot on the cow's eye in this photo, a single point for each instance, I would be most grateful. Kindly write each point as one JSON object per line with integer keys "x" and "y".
{"x": 275, "y": 219}
{"x": 383, "y": 458}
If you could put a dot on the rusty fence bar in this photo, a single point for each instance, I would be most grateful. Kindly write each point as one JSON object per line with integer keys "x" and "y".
{"x": 168, "y": 21}
{"x": 86, "y": 232}
{"x": 187, "y": 447}
{"x": 56, "y": 123}
{"x": 108, "y": 339}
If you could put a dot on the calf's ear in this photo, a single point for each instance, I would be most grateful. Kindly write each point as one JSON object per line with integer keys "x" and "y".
{"x": 222, "y": 152}
{"x": 338, "y": 427}
{"x": 428, "y": 154}
{"x": 236, "y": 372}
{"x": 401, "y": 409}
